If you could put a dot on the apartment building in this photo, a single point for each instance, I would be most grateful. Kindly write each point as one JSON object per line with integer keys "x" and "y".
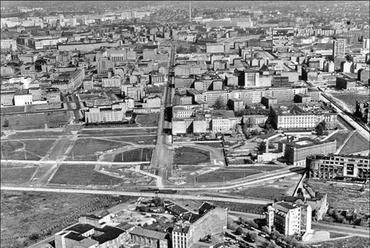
{"x": 289, "y": 218}
{"x": 148, "y": 238}
{"x": 338, "y": 166}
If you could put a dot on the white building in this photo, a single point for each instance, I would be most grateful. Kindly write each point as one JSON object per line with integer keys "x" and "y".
{"x": 289, "y": 218}
{"x": 22, "y": 99}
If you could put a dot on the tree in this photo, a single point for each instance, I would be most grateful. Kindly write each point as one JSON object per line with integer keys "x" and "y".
{"x": 320, "y": 128}
{"x": 239, "y": 231}
{"x": 6, "y": 123}
{"x": 219, "y": 104}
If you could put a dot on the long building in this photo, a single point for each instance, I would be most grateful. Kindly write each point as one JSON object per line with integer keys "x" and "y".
{"x": 337, "y": 166}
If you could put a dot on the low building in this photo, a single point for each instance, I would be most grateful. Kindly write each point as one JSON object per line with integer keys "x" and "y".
{"x": 338, "y": 166}
{"x": 362, "y": 111}
{"x": 22, "y": 98}
{"x": 297, "y": 151}
{"x": 152, "y": 102}
{"x": 186, "y": 234}
{"x": 106, "y": 114}
{"x": 343, "y": 83}
{"x": 303, "y": 117}
{"x": 223, "y": 121}
{"x": 148, "y": 238}
{"x": 95, "y": 235}
{"x": 7, "y": 98}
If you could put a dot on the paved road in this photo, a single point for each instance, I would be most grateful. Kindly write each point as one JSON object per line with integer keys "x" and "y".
{"x": 162, "y": 159}
{"x": 70, "y": 162}
{"x": 135, "y": 194}
{"x": 333, "y": 227}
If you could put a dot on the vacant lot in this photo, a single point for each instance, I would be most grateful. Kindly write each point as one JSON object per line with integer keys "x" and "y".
{"x": 83, "y": 174}
{"x": 36, "y": 120}
{"x": 17, "y": 175}
{"x": 147, "y": 120}
{"x": 25, "y": 149}
{"x": 268, "y": 192}
{"x": 89, "y": 149}
{"x": 189, "y": 155}
{"x": 343, "y": 197}
{"x": 224, "y": 175}
{"x": 356, "y": 143}
{"x": 35, "y": 134}
{"x": 340, "y": 137}
{"x": 136, "y": 155}
{"x": 352, "y": 242}
{"x": 29, "y": 217}
{"x": 350, "y": 98}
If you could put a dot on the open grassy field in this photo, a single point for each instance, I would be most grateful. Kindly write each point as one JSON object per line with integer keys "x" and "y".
{"x": 25, "y": 149}
{"x": 136, "y": 155}
{"x": 82, "y": 174}
{"x": 89, "y": 149}
{"x": 189, "y": 155}
{"x": 356, "y": 143}
{"x": 29, "y": 217}
{"x": 147, "y": 120}
{"x": 17, "y": 174}
{"x": 224, "y": 175}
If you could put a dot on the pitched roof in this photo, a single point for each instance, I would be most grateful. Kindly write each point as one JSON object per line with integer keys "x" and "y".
{"x": 148, "y": 233}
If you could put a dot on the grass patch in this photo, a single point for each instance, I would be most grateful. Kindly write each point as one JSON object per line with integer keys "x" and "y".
{"x": 356, "y": 143}
{"x": 17, "y": 175}
{"x": 148, "y": 120}
{"x": 224, "y": 175}
{"x": 148, "y": 140}
{"x": 82, "y": 175}
{"x": 136, "y": 155}
{"x": 26, "y": 149}
{"x": 189, "y": 155}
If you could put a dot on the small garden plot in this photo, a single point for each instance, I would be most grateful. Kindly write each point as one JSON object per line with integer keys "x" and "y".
{"x": 189, "y": 155}
{"x": 136, "y": 155}
{"x": 89, "y": 149}
{"x": 224, "y": 175}
{"x": 17, "y": 175}
{"x": 83, "y": 174}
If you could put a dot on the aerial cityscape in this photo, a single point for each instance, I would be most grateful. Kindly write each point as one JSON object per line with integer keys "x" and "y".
{"x": 185, "y": 124}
